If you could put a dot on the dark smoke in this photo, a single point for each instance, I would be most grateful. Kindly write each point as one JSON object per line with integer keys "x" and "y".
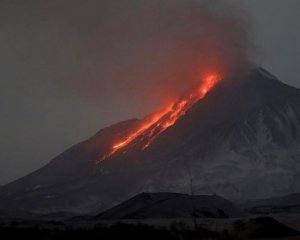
{"x": 152, "y": 51}
{"x": 69, "y": 68}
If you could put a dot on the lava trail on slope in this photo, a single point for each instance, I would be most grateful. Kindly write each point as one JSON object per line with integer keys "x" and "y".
{"x": 157, "y": 123}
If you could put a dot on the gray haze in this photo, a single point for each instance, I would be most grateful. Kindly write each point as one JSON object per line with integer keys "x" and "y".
{"x": 50, "y": 95}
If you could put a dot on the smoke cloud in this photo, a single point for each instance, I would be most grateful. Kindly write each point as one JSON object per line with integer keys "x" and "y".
{"x": 69, "y": 68}
{"x": 149, "y": 52}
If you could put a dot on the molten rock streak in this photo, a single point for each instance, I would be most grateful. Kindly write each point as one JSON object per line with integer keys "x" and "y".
{"x": 153, "y": 126}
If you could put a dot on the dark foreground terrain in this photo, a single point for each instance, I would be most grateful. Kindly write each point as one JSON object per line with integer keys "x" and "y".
{"x": 251, "y": 228}
{"x": 116, "y": 231}
{"x": 167, "y": 216}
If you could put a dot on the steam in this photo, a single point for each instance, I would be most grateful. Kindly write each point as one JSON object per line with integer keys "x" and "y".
{"x": 149, "y": 52}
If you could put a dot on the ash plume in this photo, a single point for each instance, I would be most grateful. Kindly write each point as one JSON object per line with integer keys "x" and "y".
{"x": 152, "y": 51}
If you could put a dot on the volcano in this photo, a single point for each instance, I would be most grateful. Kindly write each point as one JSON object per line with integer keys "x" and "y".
{"x": 240, "y": 139}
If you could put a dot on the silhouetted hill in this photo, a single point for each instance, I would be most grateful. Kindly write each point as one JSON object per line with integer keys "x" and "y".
{"x": 172, "y": 205}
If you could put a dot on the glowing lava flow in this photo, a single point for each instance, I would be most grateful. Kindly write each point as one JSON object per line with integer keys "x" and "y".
{"x": 162, "y": 120}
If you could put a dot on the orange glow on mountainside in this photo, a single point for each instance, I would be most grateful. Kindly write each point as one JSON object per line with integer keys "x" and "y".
{"x": 153, "y": 126}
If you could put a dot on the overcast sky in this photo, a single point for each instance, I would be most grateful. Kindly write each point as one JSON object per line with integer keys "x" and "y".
{"x": 42, "y": 43}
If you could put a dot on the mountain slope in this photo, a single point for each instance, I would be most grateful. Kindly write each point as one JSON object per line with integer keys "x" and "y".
{"x": 242, "y": 141}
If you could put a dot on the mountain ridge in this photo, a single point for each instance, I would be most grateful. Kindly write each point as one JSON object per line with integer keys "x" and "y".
{"x": 242, "y": 141}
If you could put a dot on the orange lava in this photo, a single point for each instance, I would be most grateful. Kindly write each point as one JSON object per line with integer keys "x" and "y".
{"x": 162, "y": 120}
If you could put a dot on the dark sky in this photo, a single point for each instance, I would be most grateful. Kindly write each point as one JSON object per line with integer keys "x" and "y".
{"x": 49, "y": 102}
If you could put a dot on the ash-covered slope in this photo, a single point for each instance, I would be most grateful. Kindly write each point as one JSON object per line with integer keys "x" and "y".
{"x": 172, "y": 205}
{"x": 242, "y": 141}
{"x": 65, "y": 176}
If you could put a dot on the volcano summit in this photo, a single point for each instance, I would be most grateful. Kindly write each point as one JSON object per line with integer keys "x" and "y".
{"x": 240, "y": 139}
